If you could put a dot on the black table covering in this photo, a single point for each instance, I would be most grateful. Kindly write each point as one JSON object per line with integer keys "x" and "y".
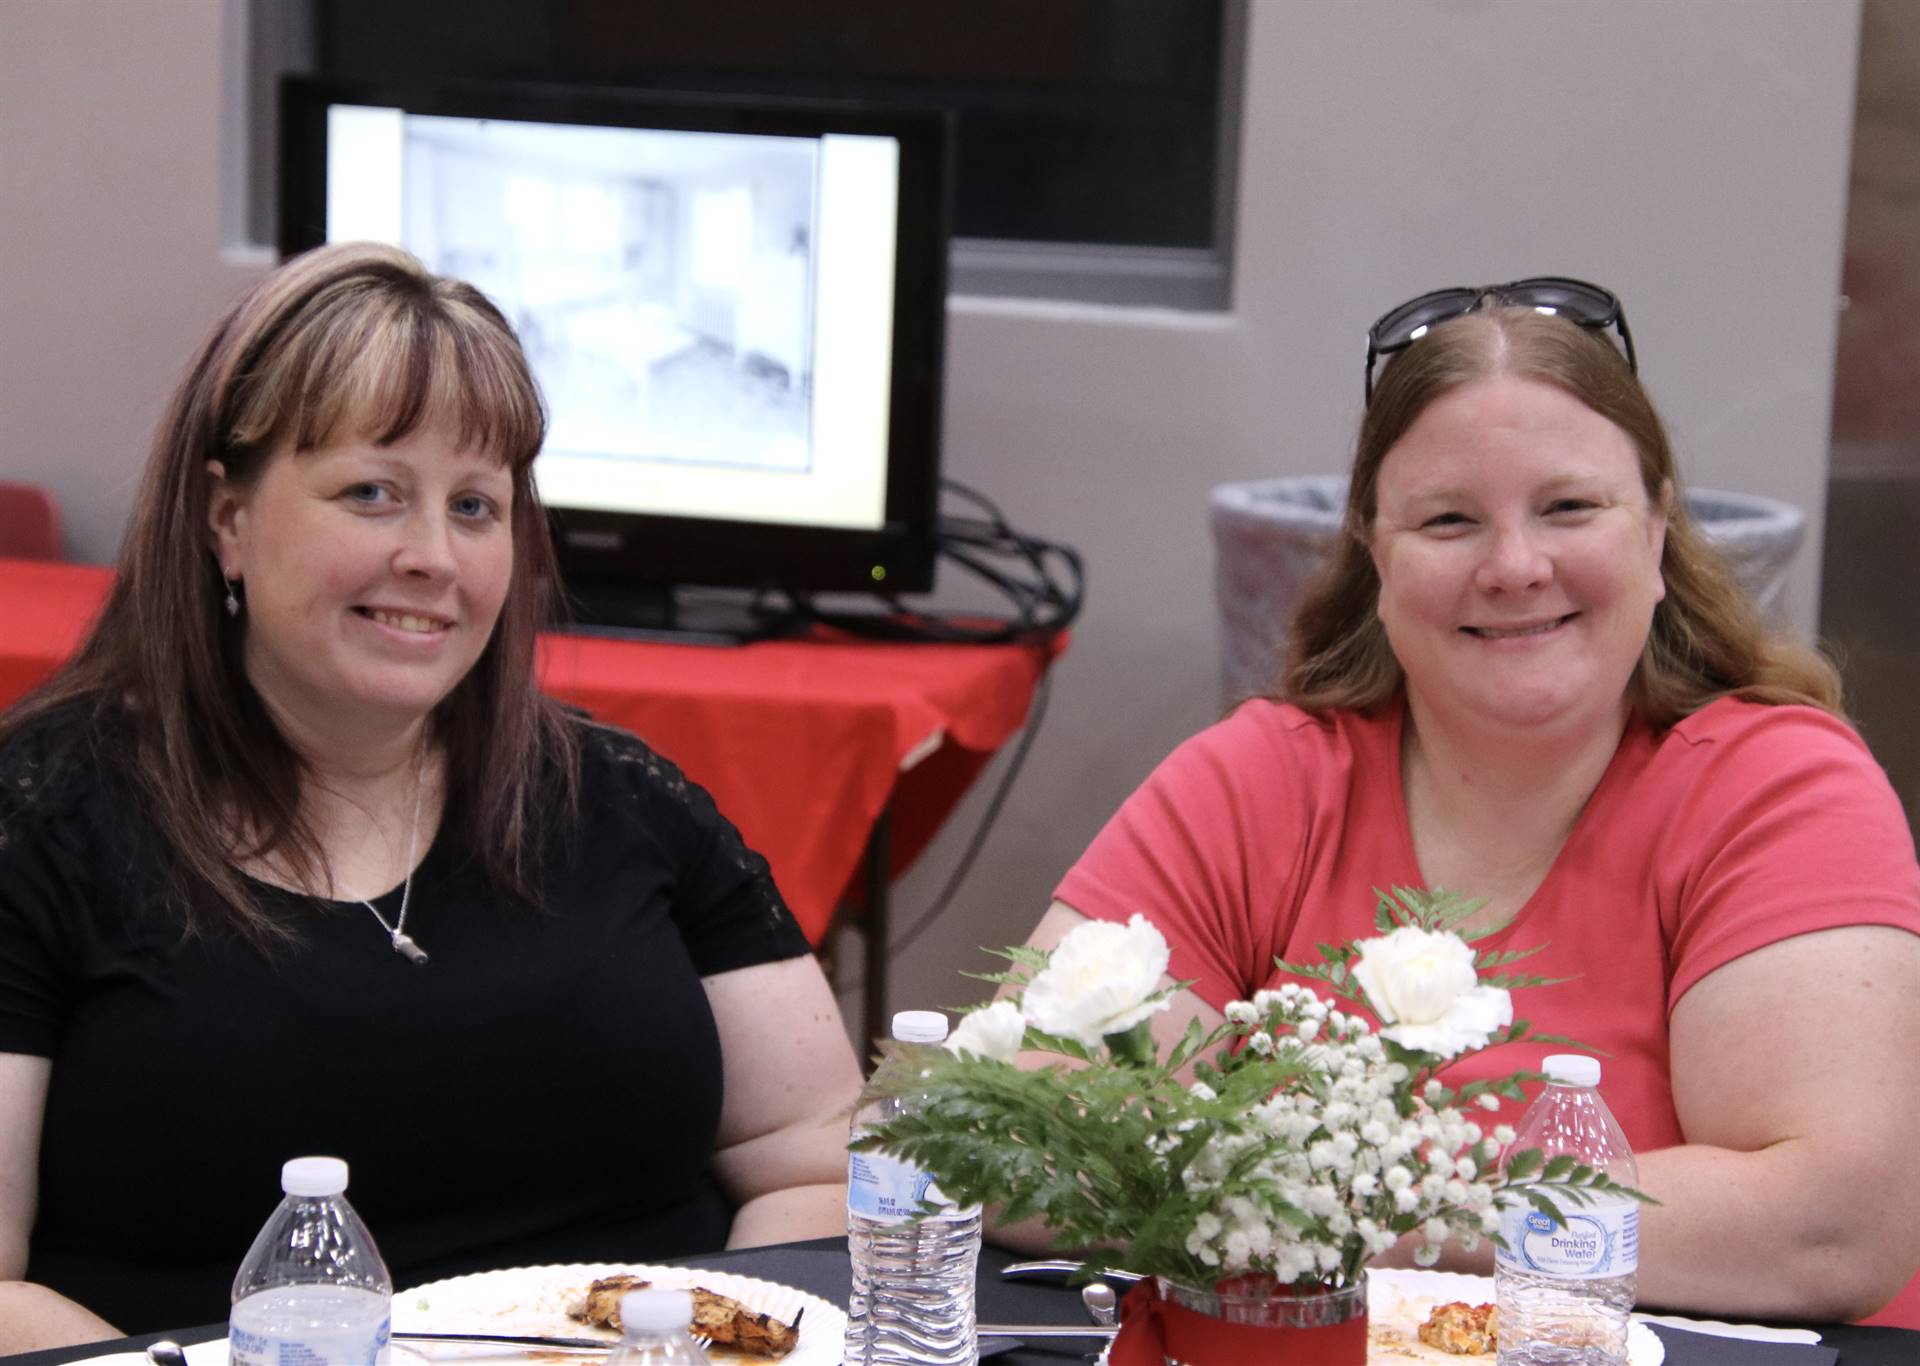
{"x": 820, "y": 1268}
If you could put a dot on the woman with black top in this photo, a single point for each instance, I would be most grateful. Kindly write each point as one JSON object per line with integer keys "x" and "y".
{"x": 294, "y": 857}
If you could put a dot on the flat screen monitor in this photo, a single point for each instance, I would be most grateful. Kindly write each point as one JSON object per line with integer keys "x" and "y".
{"x": 735, "y": 309}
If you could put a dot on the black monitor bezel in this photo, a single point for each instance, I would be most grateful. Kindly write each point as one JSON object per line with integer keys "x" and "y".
{"x": 649, "y": 551}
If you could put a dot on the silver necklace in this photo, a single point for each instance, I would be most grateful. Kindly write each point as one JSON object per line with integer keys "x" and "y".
{"x": 402, "y": 941}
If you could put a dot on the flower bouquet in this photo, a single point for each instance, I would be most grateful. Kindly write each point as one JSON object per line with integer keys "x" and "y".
{"x": 1252, "y": 1172}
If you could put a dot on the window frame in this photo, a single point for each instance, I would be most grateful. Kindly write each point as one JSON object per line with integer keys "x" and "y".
{"x": 267, "y": 37}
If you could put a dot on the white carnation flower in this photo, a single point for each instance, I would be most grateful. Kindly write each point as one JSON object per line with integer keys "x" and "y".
{"x": 1097, "y": 981}
{"x": 1423, "y": 986}
{"x": 994, "y": 1033}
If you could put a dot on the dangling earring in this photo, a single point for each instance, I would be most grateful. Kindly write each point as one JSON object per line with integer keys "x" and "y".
{"x": 233, "y": 602}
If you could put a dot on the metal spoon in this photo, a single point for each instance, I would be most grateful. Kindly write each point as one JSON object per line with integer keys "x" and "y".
{"x": 165, "y": 1353}
{"x": 1101, "y": 1303}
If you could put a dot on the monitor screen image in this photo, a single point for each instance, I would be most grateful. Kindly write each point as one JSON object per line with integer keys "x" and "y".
{"x": 734, "y": 309}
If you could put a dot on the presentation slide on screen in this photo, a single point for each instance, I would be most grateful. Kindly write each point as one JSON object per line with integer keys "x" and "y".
{"x": 709, "y": 315}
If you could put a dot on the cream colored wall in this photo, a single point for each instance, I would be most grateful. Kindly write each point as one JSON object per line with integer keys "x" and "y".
{"x": 110, "y": 250}
{"x": 1695, "y": 161}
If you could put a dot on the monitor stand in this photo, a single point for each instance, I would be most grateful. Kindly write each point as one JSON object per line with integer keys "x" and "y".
{"x": 672, "y": 615}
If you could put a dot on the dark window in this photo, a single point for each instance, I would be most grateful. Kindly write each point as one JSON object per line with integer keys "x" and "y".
{"x": 1099, "y": 122}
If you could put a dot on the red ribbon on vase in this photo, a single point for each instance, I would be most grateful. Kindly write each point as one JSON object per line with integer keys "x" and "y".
{"x": 1153, "y": 1329}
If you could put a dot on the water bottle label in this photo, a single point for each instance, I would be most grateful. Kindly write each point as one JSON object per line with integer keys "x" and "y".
{"x": 350, "y": 1347}
{"x": 880, "y": 1186}
{"x": 1595, "y": 1242}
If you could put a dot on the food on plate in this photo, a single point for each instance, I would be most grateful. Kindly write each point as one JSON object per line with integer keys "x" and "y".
{"x": 726, "y": 1321}
{"x": 1462, "y": 1329}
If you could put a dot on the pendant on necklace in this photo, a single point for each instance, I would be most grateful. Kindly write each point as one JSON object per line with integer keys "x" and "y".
{"x": 404, "y": 946}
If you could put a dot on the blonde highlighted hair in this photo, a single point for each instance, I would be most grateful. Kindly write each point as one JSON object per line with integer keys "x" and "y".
{"x": 1707, "y": 640}
{"x": 355, "y": 340}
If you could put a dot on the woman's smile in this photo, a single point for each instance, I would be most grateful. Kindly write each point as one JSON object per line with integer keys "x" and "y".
{"x": 409, "y": 623}
{"x": 1530, "y": 631}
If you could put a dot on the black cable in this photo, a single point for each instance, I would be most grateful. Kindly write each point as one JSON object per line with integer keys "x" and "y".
{"x": 1044, "y": 581}
{"x": 1035, "y": 715}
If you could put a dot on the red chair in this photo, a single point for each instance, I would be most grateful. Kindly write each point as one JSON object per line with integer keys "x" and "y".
{"x": 29, "y": 523}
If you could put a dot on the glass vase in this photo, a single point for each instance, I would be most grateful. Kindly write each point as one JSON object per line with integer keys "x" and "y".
{"x": 1315, "y": 1328}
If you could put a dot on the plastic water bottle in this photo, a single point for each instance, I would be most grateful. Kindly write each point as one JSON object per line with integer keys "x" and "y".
{"x": 1565, "y": 1290}
{"x": 913, "y": 1281}
{"x": 653, "y": 1330}
{"x": 312, "y": 1289}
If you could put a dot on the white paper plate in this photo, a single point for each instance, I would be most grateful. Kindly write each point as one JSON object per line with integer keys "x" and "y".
{"x": 1401, "y": 1300}
{"x": 215, "y": 1354}
{"x": 534, "y": 1299}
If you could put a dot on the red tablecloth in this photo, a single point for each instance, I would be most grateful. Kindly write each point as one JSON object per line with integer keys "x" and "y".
{"x": 801, "y": 742}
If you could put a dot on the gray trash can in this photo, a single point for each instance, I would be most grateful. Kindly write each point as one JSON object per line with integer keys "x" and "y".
{"x": 1272, "y": 536}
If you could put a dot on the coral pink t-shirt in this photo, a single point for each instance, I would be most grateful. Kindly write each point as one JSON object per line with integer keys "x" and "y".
{"x": 1740, "y": 826}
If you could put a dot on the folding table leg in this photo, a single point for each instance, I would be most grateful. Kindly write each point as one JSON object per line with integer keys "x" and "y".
{"x": 875, "y": 927}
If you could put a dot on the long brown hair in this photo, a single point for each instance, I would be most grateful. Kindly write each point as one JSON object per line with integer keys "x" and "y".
{"x": 355, "y": 339}
{"x": 1707, "y": 640}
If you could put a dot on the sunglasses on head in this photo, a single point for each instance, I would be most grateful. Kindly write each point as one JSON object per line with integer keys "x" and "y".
{"x": 1575, "y": 300}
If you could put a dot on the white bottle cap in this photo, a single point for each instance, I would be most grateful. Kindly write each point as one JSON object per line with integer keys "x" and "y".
{"x": 919, "y": 1026}
{"x": 1572, "y": 1069}
{"x": 656, "y": 1311}
{"x": 313, "y": 1176}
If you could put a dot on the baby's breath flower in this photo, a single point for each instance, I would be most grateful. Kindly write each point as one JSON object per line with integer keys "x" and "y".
{"x": 1241, "y": 1013}
{"x": 1486, "y": 1100}
{"x": 1427, "y": 1254}
{"x": 1503, "y": 1134}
